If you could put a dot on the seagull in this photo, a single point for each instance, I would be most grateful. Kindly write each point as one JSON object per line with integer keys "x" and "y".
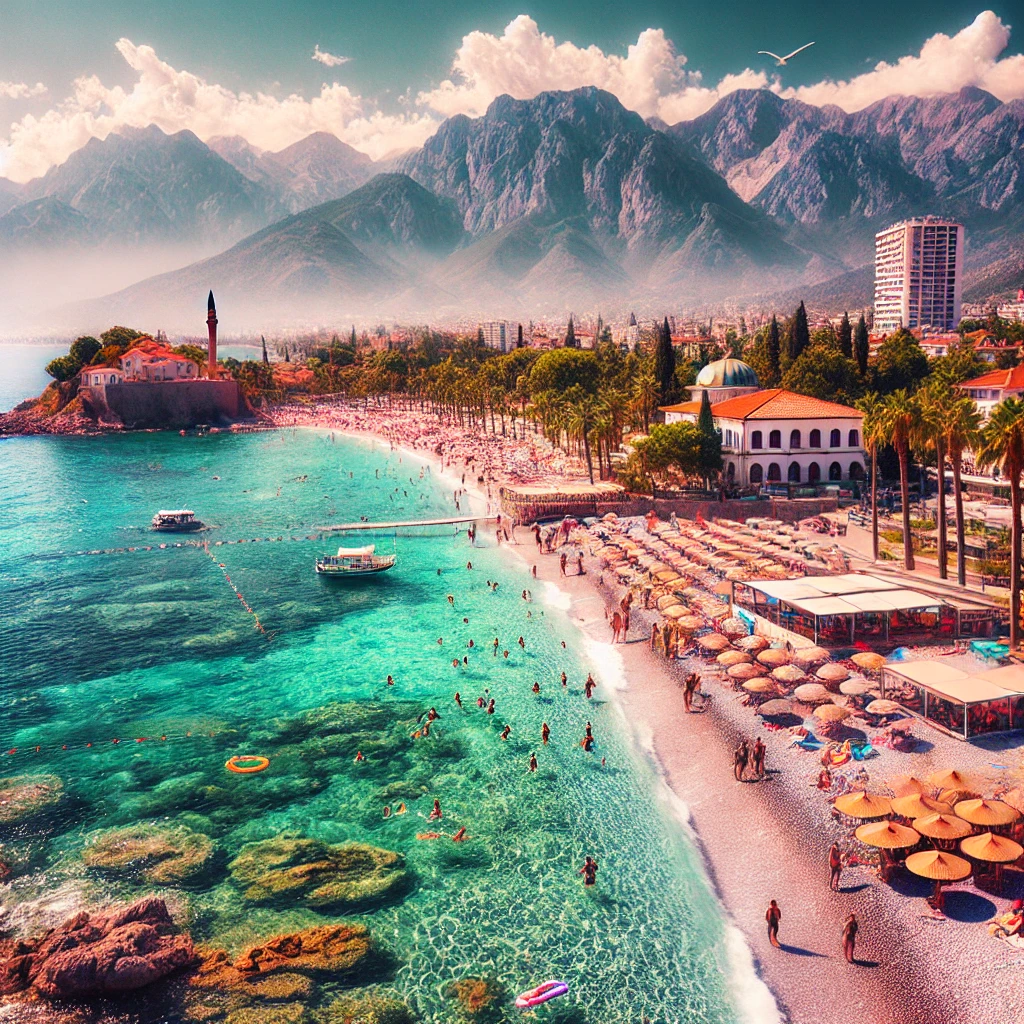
{"x": 782, "y": 61}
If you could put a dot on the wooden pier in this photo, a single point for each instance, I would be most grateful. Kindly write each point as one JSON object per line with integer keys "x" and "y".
{"x": 407, "y": 524}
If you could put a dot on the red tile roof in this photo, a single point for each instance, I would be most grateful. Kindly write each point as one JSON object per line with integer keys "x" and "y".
{"x": 771, "y": 404}
{"x": 1006, "y": 380}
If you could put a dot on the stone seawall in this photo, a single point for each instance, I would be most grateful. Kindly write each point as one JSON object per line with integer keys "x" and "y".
{"x": 166, "y": 404}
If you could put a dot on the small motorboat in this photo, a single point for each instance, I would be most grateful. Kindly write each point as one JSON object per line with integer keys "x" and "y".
{"x": 181, "y": 520}
{"x": 352, "y": 562}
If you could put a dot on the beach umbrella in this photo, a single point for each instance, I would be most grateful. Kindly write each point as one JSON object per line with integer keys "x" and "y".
{"x": 788, "y": 674}
{"x": 887, "y": 835}
{"x": 956, "y": 796}
{"x": 832, "y": 673}
{"x": 774, "y": 657}
{"x": 760, "y": 684}
{"x": 741, "y": 673}
{"x": 668, "y": 601}
{"x": 1015, "y": 798}
{"x": 713, "y": 642}
{"x": 753, "y": 643}
{"x": 812, "y": 693}
{"x": 905, "y": 785}
{"x": 949, "y": 778}
{"x": 811, "y": 656}
{"x": 938, "y": 865}
{"x": 734, "y": 627}
{"x": 859, "y": 804}
{"x": 914, "y": 805}
{"x": 993, "y": 848}
{"x": 883, "y": 707}
{"x": 775, "y": 708}
{"x": 831, "y": 713}
{"x": 675, "y": 611}
{"x": 868, "y": 660}
{"x": 689, "y": 623}
{"x": 732, "y": 658}
{"x": 986, "y": 812}
{"x": 667, "y": 576}
{"x": 855, "y": 687}
{"x": 942, "y": 826}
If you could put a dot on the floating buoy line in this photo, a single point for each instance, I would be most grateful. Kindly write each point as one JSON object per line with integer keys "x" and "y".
{"x": 245, "y": 604}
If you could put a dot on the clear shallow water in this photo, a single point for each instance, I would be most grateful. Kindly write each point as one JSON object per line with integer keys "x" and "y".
{"x": 155, "y": 644}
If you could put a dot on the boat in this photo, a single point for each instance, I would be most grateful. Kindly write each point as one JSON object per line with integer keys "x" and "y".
{"x": 351, "y": 562}
{"x": 181, "y": 520}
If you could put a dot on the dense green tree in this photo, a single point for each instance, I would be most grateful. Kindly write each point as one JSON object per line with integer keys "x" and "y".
{"x": 862, "y": 346}
{"x": 665, "y": 365}
{"x": 824, "y": 372}
{"x": 774, "y": 352}
{"x": 63, "y": 368}
{"x": 194, "y": 352}
{"x": 710, "y": 440}
{"x": 120, "y": 336}
{"x": 677, "y": 446}
{"x": 798, "y": 337}
{"x": 83, "y": 349}
{"x": 900, "y": 364}
{"x": 846, "y": 336}
{"x": 561, "y": 368}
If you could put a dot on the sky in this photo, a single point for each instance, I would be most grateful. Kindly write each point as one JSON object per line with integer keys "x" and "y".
{"x": 383, "y": 75}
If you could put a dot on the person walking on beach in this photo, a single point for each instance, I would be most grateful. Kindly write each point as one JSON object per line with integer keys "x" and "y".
{"x": 654, "y": 636}
{"x": 616, "y": 627}
{"x": 562, "y": 560}
{"x": 773, "y": 915}
{"x": 739, "y": 760}
{"x": 589, "y": 872}
{"x": 689, "y": 689}
{"x": 579, "y": 565}
{"x": 757, "y": 755}
{"x": 835, "y": 867}
{"x": 850, "y": 930}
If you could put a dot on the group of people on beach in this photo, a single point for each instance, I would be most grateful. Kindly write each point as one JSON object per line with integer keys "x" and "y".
{"x": 749, "y": 758}
{"x": 773, "y": 917}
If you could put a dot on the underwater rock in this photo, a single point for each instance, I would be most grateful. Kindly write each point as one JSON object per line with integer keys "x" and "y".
{"x": 316, "y": 874}
{"x": 479, "y": 999}
{"x": 288, "y": 1013}
{"x": 23, "y": 796}
{"x": 165, "y": 854}
{"x": 366, "y": 1008}
{"x": 98, "y": 954}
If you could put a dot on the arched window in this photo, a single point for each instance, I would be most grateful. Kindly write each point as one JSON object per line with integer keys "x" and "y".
{"x": 835, "y": 471}
{"x": 794, "y": 439}
{"x": 854, "y": 439}
{"x": 856, "y": 471}
{"x": 775, "y": 439}
{"x": 835, "y": 439}
{"x": 755, "y": 440}
{"x": 815, "y": 440}
{"x": 794, "y": 472}
{"x": 813, "y": 473}
{"x": 774, "y": 473}
{"x": 756, "y": 473}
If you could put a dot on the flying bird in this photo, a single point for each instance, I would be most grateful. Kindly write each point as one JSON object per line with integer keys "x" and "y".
{"x": 782, "y": 61}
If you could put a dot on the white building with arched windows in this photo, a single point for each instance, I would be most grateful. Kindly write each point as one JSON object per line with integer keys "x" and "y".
{"x": 777, "y": 436}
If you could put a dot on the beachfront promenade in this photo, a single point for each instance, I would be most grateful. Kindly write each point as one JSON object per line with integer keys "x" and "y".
{"x": 407, "y": 524}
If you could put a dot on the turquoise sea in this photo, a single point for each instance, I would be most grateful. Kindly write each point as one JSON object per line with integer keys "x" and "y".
{"x": 153, "y": 649}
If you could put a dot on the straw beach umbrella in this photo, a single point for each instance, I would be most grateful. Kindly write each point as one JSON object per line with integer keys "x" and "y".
{"x": 883, "y": 707}
{"x": 949, "y": 778}
{"x": 986, "y": 812}
{"x": 855, "y": 687}
{"x": 812, "y": 693}
{"x": 859, "y": 804}
{"x": 807, "y": 656}
{"x": 675, "y": 611}
{"x": 938, "y": 866}
{"x": 1015, "y": 798}
{"x": 760, "y": 684}
{"x": 904, "y": 785}
{"x": 753, "y": 643}
{"x": 868, "y": 660}
{"x": 689, "y": 623}
{"x": 914, "y": 805}
{"x": 942, "y": 826}
{"x": 741, "y": 673}
{"x": 713, "y": 643}
{"x": 831, "y": 713}
{"x": 773, "y": 657}
{"x": 775, "y": 708}
{"x": 992, "y": 848}
{"x": 731, "y": 658}
{"x": 832, "y": 673}
{"x": 887, "y": 835}
{"x": 788, "y": 674}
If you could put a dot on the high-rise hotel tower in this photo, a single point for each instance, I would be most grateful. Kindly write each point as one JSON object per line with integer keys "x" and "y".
{"x": 919, "y": 265}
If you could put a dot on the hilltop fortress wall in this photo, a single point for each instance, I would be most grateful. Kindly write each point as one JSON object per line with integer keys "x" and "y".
{"x": 167, "y": 404}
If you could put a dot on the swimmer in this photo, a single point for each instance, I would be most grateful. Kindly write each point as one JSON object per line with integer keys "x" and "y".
{"x": 589, "y": 871}
{"x": 470, "y": 645}
{"x": 391, "y": 681}
{"x": 387, "y": 812}
{"x": 458, "y": 698}
{"x": 451, "y": 600}
{"x": 522, "y": 643}
{"x": 545, "y": 733}
{"x": 435, "y": 814}
{"x": 534, "y": 570}
{"x": 490, "y": 706}
{"x": 505, "y": 732}
{"x": 480, "y": 702}
{"x": 432, "y": 715}
{"x": 590, "y": 730}
{"x": 495, "y": 647}
{"x": 469, "y": 565}
{"x": 455, "y": 662}
{"x": 588, "y": 686}
{"x": 359, "y": 757}
{"x": 460, "y": 836}
{"x": 440, "y": 641}
{"x": 533, "y": 762}
{"x": 536, "y": 687}
{"x": 565, "y": 680}
{"x": 438, "y": 572}
{"x": 563, "y": 644}
{"x": 465, "y": 620}
{"x": 465, "y": 660}
{"x": 506, "y": 653}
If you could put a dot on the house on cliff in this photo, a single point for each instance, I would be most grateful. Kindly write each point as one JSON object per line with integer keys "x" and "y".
{"x": 149, "y": 360}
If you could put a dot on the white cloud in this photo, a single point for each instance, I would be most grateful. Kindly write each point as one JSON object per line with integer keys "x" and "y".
{"x": 652, "y": 79}
{"x": 328, "y": 59}
{"x": 177, "y": 100}
{"x": 945, "y": 64}
{"x": 20, "y": 90}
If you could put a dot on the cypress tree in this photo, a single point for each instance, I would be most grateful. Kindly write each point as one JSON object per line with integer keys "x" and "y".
{"x": 774, "y": 351}
{"x": 570, "y": 335}
{"x": 519, "y": 339}
{"x": 265, "y": 358}
{"x": 287, "y": 359}
{"x": 665, "y": 364}
{"x": 353, "y": 337}
{"x": 798, "y": 337}
{"x": 861, "y": 347}
{"x": 846, "y": 337}
{"x": 710, "y": 442}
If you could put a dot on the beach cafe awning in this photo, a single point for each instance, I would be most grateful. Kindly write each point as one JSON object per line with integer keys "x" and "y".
{"x": 958, "y": 687}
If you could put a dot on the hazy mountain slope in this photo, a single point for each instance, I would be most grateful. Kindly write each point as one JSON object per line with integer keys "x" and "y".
{"x": 47, "y": 221}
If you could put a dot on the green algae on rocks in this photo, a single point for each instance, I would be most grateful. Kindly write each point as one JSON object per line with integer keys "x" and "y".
{"x": 319, "y": 875}
{"x": 25, "y": 796}
{"x": 165, "y": 854}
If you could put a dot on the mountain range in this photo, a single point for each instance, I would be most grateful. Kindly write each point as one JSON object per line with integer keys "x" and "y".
{"x": 555, "y": 201}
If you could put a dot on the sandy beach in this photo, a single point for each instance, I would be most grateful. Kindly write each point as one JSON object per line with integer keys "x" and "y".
{"x": 769, "y": 840}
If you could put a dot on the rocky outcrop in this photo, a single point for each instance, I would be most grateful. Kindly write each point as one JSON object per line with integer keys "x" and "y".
{"x": 478, "y": 999}
{"x": 366, "y": 1007}
{"x": 98, "y": 954}
{"x": 25, "y": 796}
{"x": 165, "y": 854}
{"x": 315, "y": 874}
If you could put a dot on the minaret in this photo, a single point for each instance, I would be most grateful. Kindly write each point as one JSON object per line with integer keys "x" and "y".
{"x": 211, "y": 326}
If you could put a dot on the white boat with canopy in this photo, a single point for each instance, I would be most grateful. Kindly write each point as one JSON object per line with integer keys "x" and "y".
{"x": 349, "y": 562}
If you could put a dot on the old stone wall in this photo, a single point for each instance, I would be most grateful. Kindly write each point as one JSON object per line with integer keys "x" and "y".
{"x": 168, "y": 404}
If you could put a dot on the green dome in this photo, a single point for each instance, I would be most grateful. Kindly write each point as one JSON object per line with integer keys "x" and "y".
{"x": 727, "y": 373}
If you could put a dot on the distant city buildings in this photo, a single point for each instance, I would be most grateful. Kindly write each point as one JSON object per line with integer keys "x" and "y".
{"x": 1013, "y": 310}
{"x": 502, "y": 335}
{"x": 918, "y": 275}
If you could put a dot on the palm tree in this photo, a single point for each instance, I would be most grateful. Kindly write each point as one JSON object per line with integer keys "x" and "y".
{"x": 1002, "y": 445}
{"x": 934, "y": 403}
{"x": 962, "y": 427}
{"x": 900, "y": 416}
{"x": 874, "y": 437}
{"x": 645, "y": 398}
{"x": 580, "y": 420}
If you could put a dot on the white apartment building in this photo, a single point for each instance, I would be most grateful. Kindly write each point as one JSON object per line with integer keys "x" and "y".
{"x": 1013, "y": 310}
{"x": 502, "y": 335}
{"x": 919, "y": 275}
